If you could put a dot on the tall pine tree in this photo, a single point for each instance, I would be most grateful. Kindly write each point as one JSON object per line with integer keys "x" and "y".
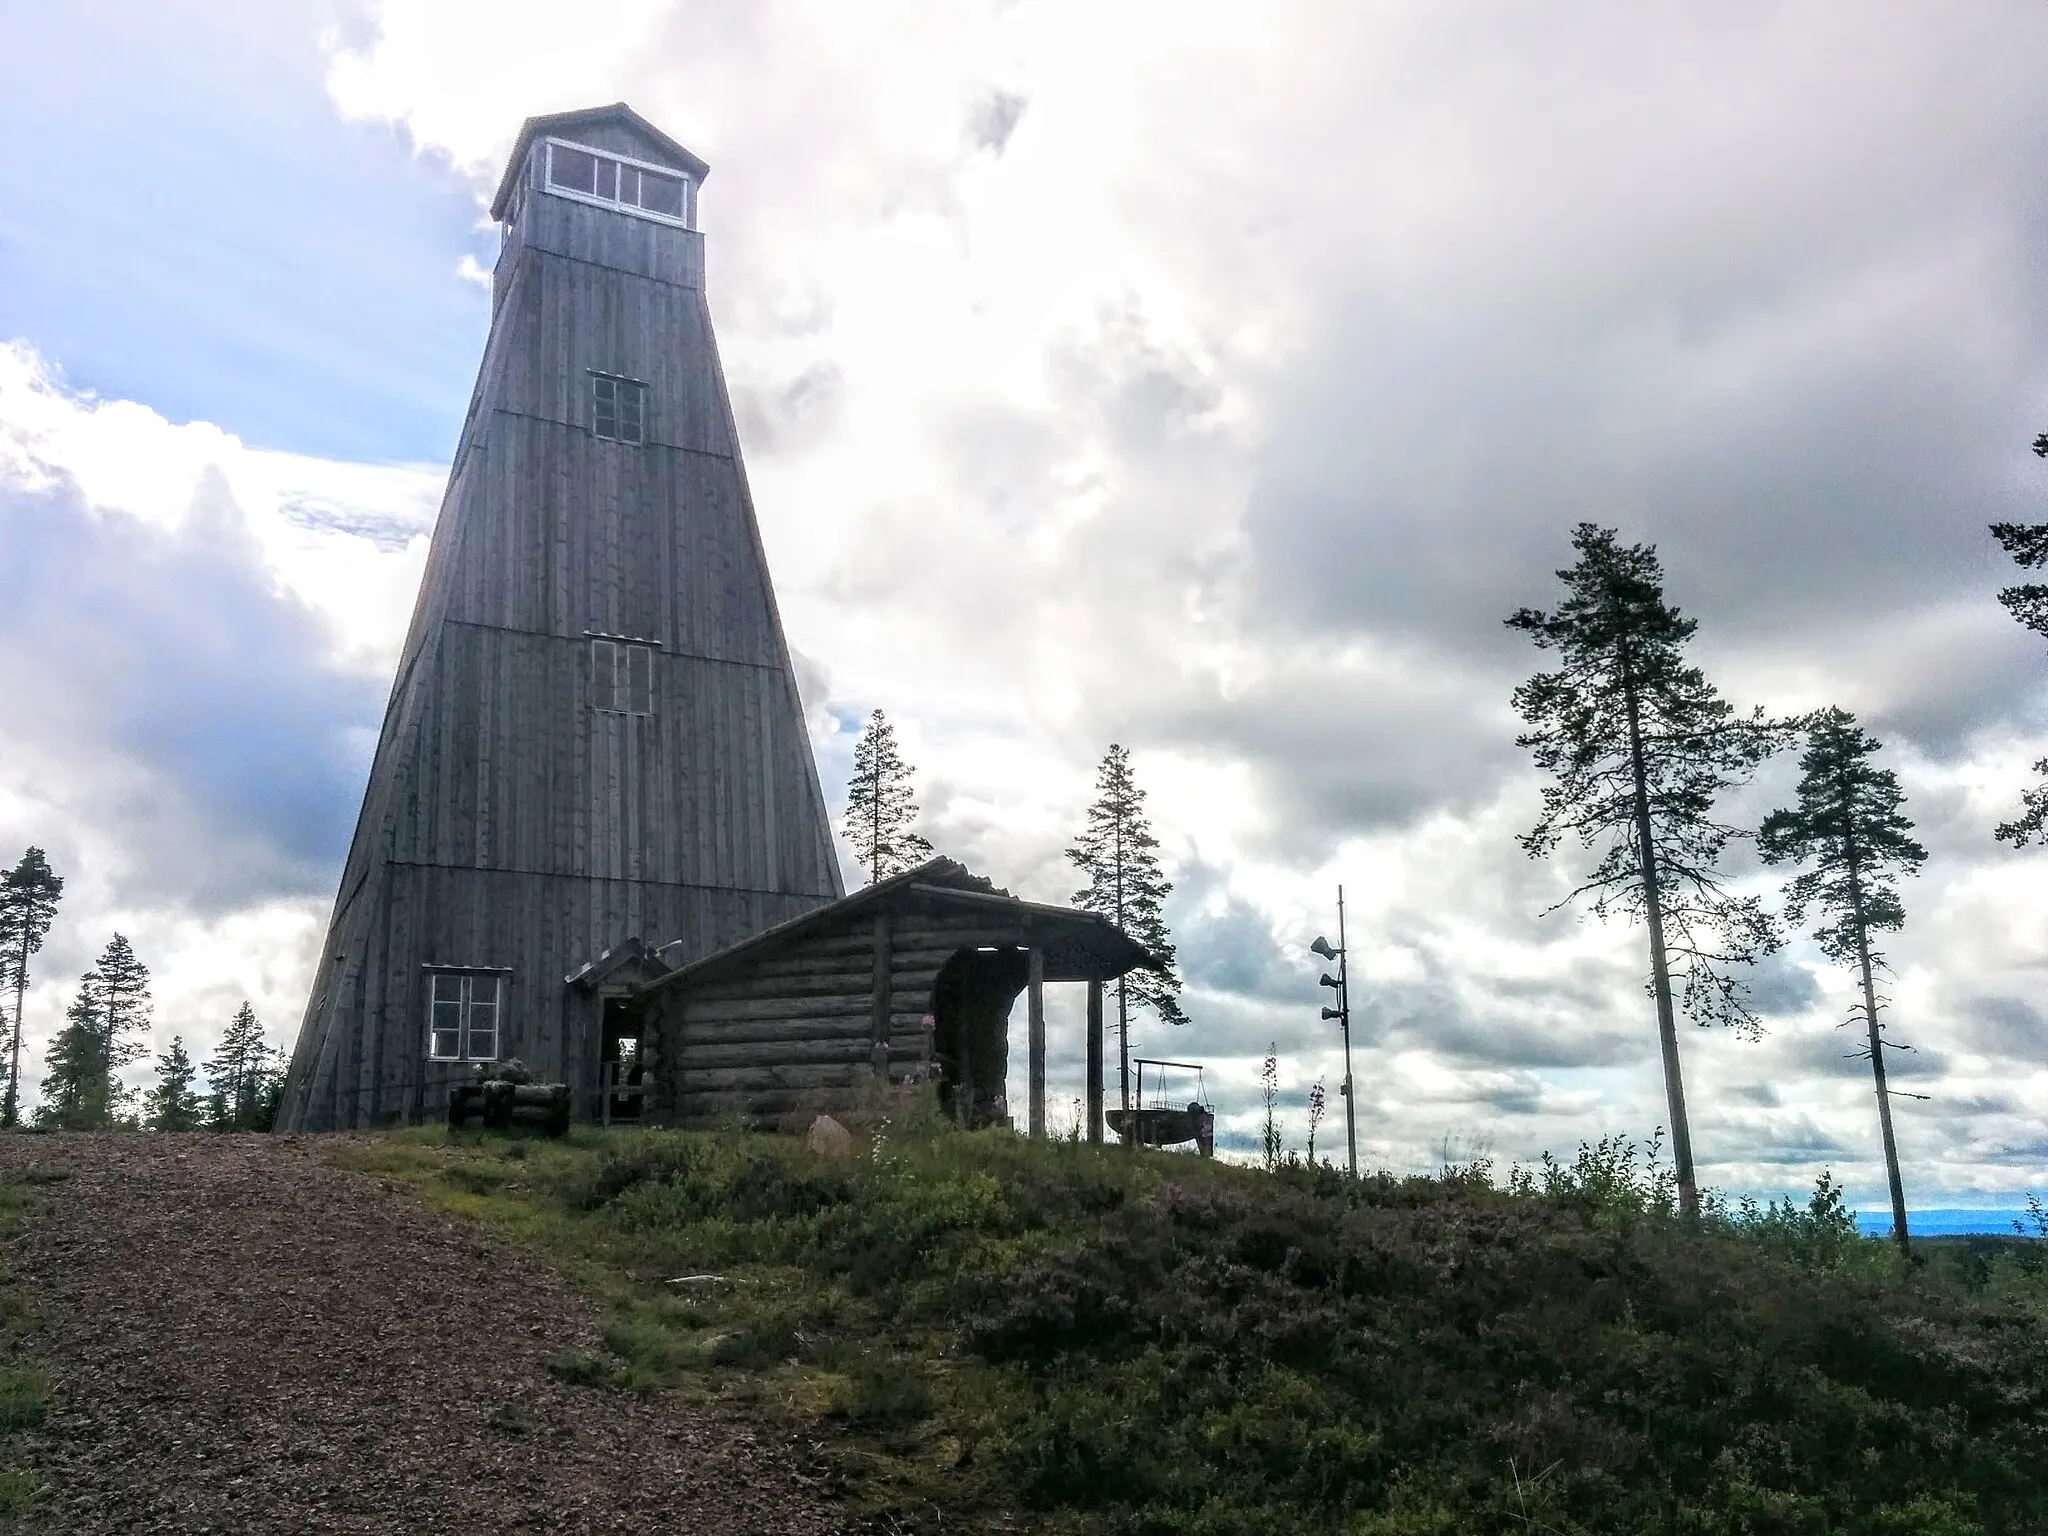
{"x": 78, "y": 1090}
{"x": 240, "y": 1076}
{"x": 172, "y": 1104}
{"x": 106, "y": 1027}
{"x": 125, "y": 1003}
{"x": 879, "y": 806}
{"x": 1120, "y": 857}
{"x": 2027, "y": 543}
{"x": 29, "y": 893}
{"x": 1849, "y": 829}
{"x": 1639, "y": 746}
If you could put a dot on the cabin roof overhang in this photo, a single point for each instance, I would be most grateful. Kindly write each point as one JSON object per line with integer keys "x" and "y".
{"x": 565, "y": 124}
{"x": 1078, "y": 946}
{"x": 626, "y": 965}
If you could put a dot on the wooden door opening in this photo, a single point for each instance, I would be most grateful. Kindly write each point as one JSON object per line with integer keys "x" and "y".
{"x": 621, "y": 1082}
{"x": 971, "y": 1002}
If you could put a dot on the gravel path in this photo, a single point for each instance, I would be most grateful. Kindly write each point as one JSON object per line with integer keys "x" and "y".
{"x": 243, "y": 1338}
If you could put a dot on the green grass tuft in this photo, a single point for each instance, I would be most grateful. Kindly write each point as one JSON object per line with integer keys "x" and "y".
{"x": 24, "y": 1398}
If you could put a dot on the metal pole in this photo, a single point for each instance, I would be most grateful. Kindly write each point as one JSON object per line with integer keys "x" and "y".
{"x": 1344, "y": 1012}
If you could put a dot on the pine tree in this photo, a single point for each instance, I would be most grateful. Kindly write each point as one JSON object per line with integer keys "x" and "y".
{"x": 1849, "y": 828}
{"x": 1120, "y": 857}
{"x": 172, "y": 1105}
{"x": 240, "y": 1076}
{"x": 1640, "y": 746}
{"x": 267, "y": 1097}
{"x": 124, "y": 1003}
{"x": 2027, "y": 543}
{"x": 78, "y": 1089}
{"x": 29, "y": 893}
{"x": 879, "y": 806}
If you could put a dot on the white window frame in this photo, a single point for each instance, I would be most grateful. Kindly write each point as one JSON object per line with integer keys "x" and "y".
{"x": 612, "y": 661}
{"x": 634, "y": 210}
{"x": 467, "y": 1002}
{"x": 619, "y": 382}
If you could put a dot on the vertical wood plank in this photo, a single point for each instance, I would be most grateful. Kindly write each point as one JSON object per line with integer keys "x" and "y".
{"x": 1035, "y": 1036}
{"x": 881, "y": 997}
{"x": 1092, "y": 1107}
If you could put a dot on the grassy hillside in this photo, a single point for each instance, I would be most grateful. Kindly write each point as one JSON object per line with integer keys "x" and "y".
{"x": 985, "y": 1334}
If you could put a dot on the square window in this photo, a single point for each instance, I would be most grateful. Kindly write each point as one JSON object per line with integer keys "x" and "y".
{"x": 661, "y": 194}
{"x": 462, "y": 1015}
{"x": 571, "y": 169}
{"x": 622, "y": 677}
{"x": 618, "y": 409}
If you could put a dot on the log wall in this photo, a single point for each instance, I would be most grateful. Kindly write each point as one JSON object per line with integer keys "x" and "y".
{"x": 810, "y": 1027}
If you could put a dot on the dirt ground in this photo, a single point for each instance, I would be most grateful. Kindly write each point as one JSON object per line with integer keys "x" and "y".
{"x": 243, "y": 1338}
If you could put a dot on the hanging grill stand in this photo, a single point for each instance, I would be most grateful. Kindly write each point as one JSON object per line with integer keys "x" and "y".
{"x": 1162, "y": 1123}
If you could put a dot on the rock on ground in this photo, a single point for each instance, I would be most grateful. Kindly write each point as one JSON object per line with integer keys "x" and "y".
{"x": 243, "y": 1338}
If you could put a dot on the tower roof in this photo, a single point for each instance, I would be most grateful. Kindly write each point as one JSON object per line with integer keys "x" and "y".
{"x": 566, "y": 123}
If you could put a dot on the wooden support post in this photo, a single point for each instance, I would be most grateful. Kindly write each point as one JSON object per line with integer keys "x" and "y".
{"x": 1092, "y": 1108}
{"x": 1036, "y": 1004}
{"x": 878, "y": 1025}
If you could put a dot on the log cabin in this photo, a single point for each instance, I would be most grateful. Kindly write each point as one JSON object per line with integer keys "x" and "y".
{"x": 912, "y": 977}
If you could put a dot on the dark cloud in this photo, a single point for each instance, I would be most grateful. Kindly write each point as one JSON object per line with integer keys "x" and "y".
{"x": 193, "y": 706}
{"x": 2003, "y": 1026}
{"x": 994, "y": 119}
{"x": 1226, "y": 944}
{"x": 1780, "y": 987}
{"x": 793, "y": 415}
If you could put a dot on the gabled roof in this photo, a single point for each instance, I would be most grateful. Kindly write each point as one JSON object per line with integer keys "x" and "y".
{"x": 948, "y": 883}
{"x": 565, "y": 124}
{"x": 629, "y": 954}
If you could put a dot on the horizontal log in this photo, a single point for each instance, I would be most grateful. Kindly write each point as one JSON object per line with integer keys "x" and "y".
{"x": 759, "y": 1079}
{"x": 695, "y": 1057}
{"x": 837, "y": 951}
{"x": 741, "y": 1031}
{"x": 789, "y": 984}
{"x": 728, "y": 1010}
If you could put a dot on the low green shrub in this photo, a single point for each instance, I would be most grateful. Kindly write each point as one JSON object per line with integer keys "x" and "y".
{"x": 1081, "y": 1338}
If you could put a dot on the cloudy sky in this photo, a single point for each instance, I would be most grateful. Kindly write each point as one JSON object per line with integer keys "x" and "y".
{"x": 1207, "y": 378}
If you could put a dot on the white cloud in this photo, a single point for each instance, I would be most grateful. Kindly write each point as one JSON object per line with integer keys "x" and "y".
{"x": 195, "y": 638}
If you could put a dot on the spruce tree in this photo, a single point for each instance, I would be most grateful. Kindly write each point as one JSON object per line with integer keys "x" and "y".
{"x": 29, "y": 893}
{"x": 78, "y": 1088}
{"x": 267, "y": 1095}
{"x": 1120, "y": 857}
{"x": 1849, "y": 829}
{"x": 879, "y": 806}
{"x": 1639, "y": 746}
{"x": 2027, "y": 543}
{"x": 238, "y": 1076}
{"x": 124, "y": 1003}
{"x": 172, "y": 1105}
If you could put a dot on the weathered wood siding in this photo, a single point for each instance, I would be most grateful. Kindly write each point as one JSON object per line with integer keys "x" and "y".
{"x": 508, "y": 823}
{"x": 795, "y": 1033}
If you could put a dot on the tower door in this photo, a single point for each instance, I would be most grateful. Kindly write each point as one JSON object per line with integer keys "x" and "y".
{"x": 622, "y": 1082}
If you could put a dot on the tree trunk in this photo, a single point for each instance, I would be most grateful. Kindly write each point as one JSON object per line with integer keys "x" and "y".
{"x": 1123, "y": 1013}
{"x": 1660, "y": 969}
{"x": 1884, "y": 1096}
{"x": 10, "y": 1112}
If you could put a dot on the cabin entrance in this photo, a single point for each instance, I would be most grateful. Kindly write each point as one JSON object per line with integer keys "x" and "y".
{"x": 971, "y": 1001}
{"x": 622, "y": 1088}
